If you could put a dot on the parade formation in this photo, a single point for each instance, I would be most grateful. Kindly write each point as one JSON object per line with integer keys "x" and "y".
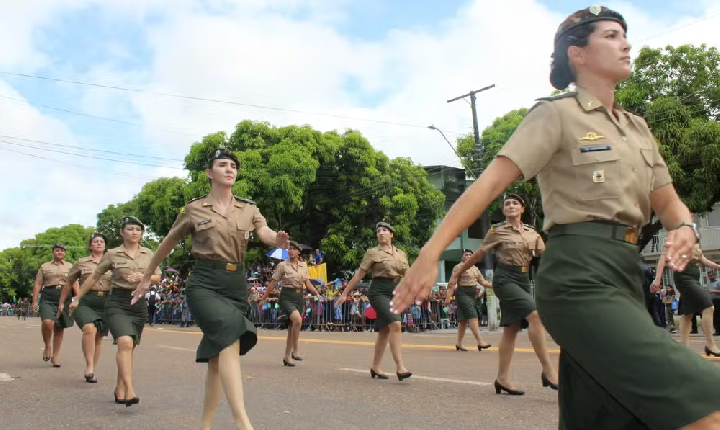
{"x": 597, "y": 193}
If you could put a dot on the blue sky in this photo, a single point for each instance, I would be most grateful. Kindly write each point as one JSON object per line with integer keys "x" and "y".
{"x": 374, "y": 59}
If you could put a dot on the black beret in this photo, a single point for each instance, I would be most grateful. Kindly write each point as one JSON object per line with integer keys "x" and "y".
{"x": 467, "y": 250}
{"x": 58, "y": 245}
{"x": 223, "y": 153}
{"x": 97, "y": 234}
{"x": 295, "y": 245}
{"x": 514, "y": 197}
{"x": 585, "y": 16}
{"x": 386, "y": 225}
{"x": 131, "y": 220}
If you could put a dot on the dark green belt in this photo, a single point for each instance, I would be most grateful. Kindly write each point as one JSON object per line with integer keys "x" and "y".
{"x": 97, "y": 293}
{"x": 606, "y": 230}
{"x": 218, "y": 264}
{"x": 52, "y": 287}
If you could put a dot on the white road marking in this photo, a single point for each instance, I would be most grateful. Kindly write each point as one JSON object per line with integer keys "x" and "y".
{"x": 4, "y": 377}
{"x": 176, "y": 348}
{"x": 429, "y": 378}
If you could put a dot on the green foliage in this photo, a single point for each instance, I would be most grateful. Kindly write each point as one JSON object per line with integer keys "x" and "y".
{"x": 109, "y": 221}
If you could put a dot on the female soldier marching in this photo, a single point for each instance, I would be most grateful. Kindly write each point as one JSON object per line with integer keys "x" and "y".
{"x": 515, "y": 244}
{"x": 291, "y": 275}
{"x": 89, "y": 315}
{"x": 600, "y": 173}
{"x": 466, "y": 297}
{"x": 217, "y": 290}
{"x": 51, "y": 278}
{"x": 694, "y": 297}
{"x": 124, "y": 319}
{"x": 388, "y": 264}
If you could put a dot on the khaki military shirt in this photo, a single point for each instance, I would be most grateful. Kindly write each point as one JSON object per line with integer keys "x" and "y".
{"x": 385, "y": 263}
{"x": 469, "y": 278}
{"x": 589, "y": 165}
{"x": 218, "y": 237}
{"x": 288, "y": 276}
{"x": 52, "y": 273}
{"x": 122, "y": 265}
{"x": 85, "y": 267}
{"x": 513, "y": 247}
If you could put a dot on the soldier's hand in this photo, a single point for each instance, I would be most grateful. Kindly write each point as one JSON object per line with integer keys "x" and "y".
{"x": 140, "y": 291}
{"x": 73, "y": 306}
{"x": 680, "y": 244}
{"x": 417, "y": 283}
{"x": 282, "y": 240}
{"x": 61, "y": 308}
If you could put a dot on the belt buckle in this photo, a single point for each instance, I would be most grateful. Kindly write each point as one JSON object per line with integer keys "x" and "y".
{"x": 100, "y": 293}
{"x": 57, "y": 287}
{"x": 630, "y": 235}
{"x": 231, "y": 267}
{"x": 524, "y": 269}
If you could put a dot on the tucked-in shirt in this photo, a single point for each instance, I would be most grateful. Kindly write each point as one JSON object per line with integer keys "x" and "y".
{"x": 52, "y": 273}
{"x": 589, "y": 164}
{"x": 469, "y": 278}
{"x": 216, "y": 236}
{"x": 82, "y": 270}
{"x": 122, "y": 265}
{"x": 288, "y": 275}
{"x": 385, "y": 263}
{"x": 513, "y": 247}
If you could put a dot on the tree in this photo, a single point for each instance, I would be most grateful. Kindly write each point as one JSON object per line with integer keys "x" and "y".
{"x": 326, "y": 190}
{"x": 18, "y": 266}
{"x": 677, "y": 91}
{"x": 109, "y": 221}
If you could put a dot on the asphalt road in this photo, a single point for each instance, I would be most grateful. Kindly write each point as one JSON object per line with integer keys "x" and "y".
{"x": 330, "y": 389}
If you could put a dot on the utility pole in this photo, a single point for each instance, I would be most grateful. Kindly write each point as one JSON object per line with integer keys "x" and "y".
{"x": 484, "y": 220}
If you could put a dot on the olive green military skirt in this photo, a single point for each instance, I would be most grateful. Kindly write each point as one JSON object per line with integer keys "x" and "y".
{"x": 124, "y": 319}
{"x": 218, "y": 300}
{"x": 693, "y": 297}
{"x": 512, "y": 287}
{"x": 617, "y": 369}
{"x": 380, "y": 293}
{"x": 466, "y": 298}
{"x": 49, "y": 298}
{"x": 291, "y": 300}
{"x": 91, "y": 310}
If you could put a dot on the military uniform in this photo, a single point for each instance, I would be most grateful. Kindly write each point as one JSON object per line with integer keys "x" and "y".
{"x": 387, "y": 267}
{"x": 693, "y": 296}
{"x": 217, "y": 290}
{"x": 91, "y": 308}
{"x": 511, "y": 282}
{"x": 122, "y": 318}
{"x": 291, "y": 279}
{"x": 466, "y": 293}
{"x": 596, "y": 170}
{"x": 53, "y": 276}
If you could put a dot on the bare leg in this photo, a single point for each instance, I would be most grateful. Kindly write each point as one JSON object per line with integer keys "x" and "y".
{"x": 296, "y": 326}
{"x": 88, "y": 347}
{"x": 475, "y": 328}
{"x": 536, "y": 333}
{"x": 707, "y": 325}
{"x": 47, "y": 328}
{"x": 58, "y": 334}
{"x": 710, "y": 422}
{"x": 396, "y": 346}
{"x": 124, "y": 363}
{"x": 289, "y": 341}
{"x": 231, "y": 378}
{"x": 685, "y": 325}
{"x": 98, "y": 349}
{"x": 462, "y": 326}
{"x": 213, "y": 391}
{"x": 380, "y": 345}
{"x": 119, "y": 386}
{"x": 506, "y": 350}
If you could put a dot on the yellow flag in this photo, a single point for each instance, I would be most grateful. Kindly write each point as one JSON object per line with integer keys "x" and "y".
{"x": 318, "y": 272}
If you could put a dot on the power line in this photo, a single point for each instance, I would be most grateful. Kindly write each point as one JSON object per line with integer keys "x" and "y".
{"x": 679, "y": 28}
{"x": 211, "y": 100}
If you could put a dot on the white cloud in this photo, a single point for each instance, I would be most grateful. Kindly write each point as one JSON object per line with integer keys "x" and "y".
{"x": 251, "y": 51}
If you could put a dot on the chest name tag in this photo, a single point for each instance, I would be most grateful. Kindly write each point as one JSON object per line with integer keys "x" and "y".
{"x": 207, "y": 221}
{"x": 595, "y": 148}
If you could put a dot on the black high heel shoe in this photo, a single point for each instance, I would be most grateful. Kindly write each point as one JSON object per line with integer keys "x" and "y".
{"x": 481, "y": 347}
{"x": 374, "y": 374}
{"x": 460, "y": 348}
{"x": 499, "y": 389}
{"x": 90, "y": 378}
{"x": 118, "y": 401}
{"x": 710, "y": 352}
{"x": 546, "y": 383}
{"x": 405, "y": 375}
{"x": 134, "y": 401}
{"x": 296, "y": 358}
{"x": 288, "y": 364}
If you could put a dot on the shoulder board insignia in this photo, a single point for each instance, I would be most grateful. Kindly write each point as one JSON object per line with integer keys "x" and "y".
{"x": 196, "y": 198}
{"x": 242, "y": 199}
{"x": 182, "y": 210}
{"x": 529, "y": 227}
{"x": 558, "y": 96}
